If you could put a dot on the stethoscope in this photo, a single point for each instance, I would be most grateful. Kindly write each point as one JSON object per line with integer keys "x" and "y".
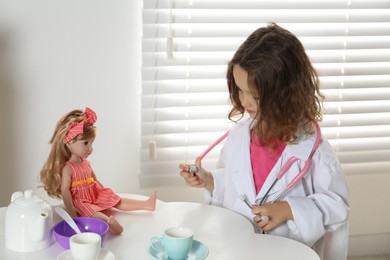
{"x": 193, "y": 169}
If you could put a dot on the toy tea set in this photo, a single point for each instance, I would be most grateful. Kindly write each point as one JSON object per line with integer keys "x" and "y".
{"x": 29, "y": 227}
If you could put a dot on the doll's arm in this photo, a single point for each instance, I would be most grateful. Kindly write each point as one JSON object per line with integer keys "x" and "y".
{"x": 65, "y": 191}
{"x": 95, "y": 179}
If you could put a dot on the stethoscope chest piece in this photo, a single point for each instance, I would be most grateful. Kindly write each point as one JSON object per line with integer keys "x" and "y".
{"x": 192, "y": 168}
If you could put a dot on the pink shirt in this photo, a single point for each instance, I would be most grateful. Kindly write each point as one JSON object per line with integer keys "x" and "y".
{"x": 263, "y": 159}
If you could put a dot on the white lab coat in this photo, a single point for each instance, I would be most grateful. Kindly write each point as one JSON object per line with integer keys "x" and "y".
{"x": 319, "y": 203}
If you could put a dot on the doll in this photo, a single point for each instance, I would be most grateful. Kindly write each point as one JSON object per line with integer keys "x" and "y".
{"x": 67, "y": 173}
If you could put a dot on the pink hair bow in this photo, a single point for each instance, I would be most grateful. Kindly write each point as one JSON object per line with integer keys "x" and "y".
{"x": 76, "y": 129}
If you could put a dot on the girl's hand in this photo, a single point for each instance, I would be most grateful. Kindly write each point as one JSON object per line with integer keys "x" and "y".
{"x": 277, "y": 212}
{"x": 201, "y": 179}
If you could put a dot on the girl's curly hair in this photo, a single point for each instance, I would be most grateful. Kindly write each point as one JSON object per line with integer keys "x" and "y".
{"x": 281, "y": 75}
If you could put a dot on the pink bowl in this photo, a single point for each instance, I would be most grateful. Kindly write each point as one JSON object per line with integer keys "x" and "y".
{"x": 62, "y": 231}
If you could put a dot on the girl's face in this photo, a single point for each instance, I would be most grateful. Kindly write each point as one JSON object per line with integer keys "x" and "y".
{"x": 80, "y": 149}
{"x": 248, "y": 101}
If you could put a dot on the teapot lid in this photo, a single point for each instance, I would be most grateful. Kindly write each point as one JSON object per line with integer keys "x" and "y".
{"x": 28, "y": 199}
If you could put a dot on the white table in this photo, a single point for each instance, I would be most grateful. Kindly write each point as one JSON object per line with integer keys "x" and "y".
{"x": 227, "y": 234}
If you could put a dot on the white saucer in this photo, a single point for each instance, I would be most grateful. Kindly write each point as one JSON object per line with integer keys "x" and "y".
{"x": 199, "y": 251}
{"x": 103, "y": 255}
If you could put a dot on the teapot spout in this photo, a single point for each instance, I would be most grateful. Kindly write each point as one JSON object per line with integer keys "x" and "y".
{"x": 41, "y": 227}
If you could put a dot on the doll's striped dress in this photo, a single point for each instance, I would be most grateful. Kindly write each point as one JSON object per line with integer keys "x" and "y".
{"x": 88, "y": 195}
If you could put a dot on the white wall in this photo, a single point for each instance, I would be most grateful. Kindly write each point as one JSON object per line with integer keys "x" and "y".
{"x": 56, "y": 56}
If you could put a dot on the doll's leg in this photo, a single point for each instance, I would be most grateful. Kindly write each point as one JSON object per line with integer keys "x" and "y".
{"x": 131, "y": 204}
{"x": 113, "y": 224}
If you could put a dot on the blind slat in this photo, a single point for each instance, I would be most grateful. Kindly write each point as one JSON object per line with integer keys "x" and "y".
{"x": 267, "y": 4}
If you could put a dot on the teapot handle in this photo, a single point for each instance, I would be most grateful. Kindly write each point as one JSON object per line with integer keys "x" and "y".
{"x": 16, "y": 195}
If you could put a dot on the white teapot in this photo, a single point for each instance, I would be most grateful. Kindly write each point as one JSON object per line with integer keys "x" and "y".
{"x": 28, "y": 223}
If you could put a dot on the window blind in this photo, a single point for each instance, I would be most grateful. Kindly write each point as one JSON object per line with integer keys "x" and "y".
{"x": 187, "y": 44}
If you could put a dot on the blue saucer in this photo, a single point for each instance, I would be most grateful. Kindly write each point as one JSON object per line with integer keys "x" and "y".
{"x": 198, "y": 251}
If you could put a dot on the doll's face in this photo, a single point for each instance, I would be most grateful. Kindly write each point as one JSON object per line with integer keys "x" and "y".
{"x": 81, "y": 149}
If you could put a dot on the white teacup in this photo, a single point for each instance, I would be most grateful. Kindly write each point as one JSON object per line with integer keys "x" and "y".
{"x": 176, "y": 242}
{"x": 85, "y": 246}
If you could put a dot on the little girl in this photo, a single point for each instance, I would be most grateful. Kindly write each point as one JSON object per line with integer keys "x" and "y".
{"x": 271, "y": 79}
{"x": 67, "y": 173}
